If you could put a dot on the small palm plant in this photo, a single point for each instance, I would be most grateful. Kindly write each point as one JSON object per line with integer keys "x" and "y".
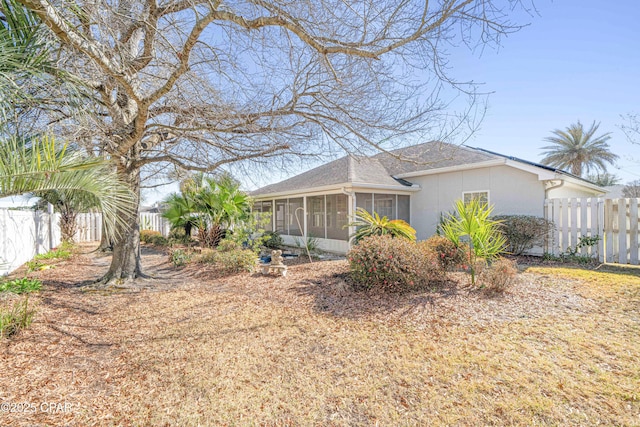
{"x": 471, "y": 221}
{"x": 373, "y": 225}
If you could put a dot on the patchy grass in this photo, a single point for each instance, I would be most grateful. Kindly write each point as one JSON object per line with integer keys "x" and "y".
{"x": 20, "y": 285}
{"x": 560, "y": 348}
{"x": 50, "y": 259}
{"x": 16, "y": 318}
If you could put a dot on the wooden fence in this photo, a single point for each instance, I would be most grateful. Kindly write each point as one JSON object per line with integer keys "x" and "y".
{"x": 614, "y": 221}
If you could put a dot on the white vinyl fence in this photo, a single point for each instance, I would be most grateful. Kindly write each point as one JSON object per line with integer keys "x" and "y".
{"x": 615, "y": 221}
{"x": 24, "y": 234}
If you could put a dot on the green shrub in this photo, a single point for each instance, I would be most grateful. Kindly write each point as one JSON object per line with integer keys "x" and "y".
{"x": 227, "y": 245}
{"x": 498, "y": 276}
{"x": 147, "y": 236}
{"x": 21, "y": 286}
{"x": 178, "y": 236}
{"x": 383, "y": 262}
{"x": 59, "y": 253}
{"x": 63, "y": 252}
{"x": 523, "y": 232}
{"x": 179, "y": 257}
{"x": 16, "y": 318}
{"x": 230, "y": 260}
{"x": 273, "y": 240}
{"x": 159, "y": 241}
{"x": 447, "y": 253}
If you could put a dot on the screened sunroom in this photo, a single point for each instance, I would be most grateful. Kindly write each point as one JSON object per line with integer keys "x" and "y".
{"x": 326, "y": 216}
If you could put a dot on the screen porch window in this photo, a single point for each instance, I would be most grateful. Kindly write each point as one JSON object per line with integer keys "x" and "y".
{"x": 393, "y": 206}
{"x": 289, "y": 216}
{"x": 264, "y": 210}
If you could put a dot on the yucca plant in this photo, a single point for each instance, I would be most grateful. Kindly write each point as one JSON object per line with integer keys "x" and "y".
{"x": 368, "y": 224}
{"x": 472, "y": 222}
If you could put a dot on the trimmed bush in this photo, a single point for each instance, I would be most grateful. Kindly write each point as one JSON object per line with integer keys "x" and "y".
{"x": 523, "y": 232}
{"x": 230, "y": 260}
{"x": 392, "y": 264}
{"x": 229, "y": 245}
{"x": 147, "y": 236}
{"x": 153, "y": 238}
{"x": 499, "y": 276}
{"x": 447, "y": 253}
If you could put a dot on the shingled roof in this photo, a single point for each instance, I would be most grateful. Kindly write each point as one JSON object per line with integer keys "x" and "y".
{"x": 383, "y": 169}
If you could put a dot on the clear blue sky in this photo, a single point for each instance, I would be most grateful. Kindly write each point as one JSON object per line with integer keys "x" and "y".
{"x": 577, "y": 60}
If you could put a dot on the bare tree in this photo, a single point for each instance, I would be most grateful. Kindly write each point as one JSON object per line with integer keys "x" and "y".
{"x": 631, "y": 127}
{"x": 631, "y": 189}
{"x": 202, "y": 84}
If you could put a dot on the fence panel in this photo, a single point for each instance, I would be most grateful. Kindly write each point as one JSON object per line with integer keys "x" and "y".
{"x": 614, "y": 220}
{"x": 24, "y": 234}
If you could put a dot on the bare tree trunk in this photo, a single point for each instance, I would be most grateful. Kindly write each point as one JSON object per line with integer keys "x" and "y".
{"x": 106, "y": 244}
{"x": 125, "y": 262}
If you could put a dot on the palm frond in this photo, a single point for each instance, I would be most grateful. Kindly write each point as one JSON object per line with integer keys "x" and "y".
{"x": 42, "y": 165}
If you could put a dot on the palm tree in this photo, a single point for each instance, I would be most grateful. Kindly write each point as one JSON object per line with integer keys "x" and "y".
{"x": 42, "y": 165}
{"x": 373, "y": 225}
{"x": 210, "y": 205}
{"x": 578, "y": 151}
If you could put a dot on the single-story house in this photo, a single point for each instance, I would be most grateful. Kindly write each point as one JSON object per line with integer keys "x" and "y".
{"x": 417, "y": 184}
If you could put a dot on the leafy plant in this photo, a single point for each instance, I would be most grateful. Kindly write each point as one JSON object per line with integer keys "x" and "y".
{"x": 251, "y": 231}
{"x": 21, "y": 286}
{"x": 382, "y": 262}
{"x": 310, "y": 244}
{"x": 583, "y": 242}
{"x": 211, "y": 205}
{"x": 471, "y": 225}
{"x": 16, "y": 318}
{"x": 273, "y": 240}
{"x": 179, "y": 257}
{"x": 523, "y": 232}
{"x": 373, "y": 225}
{"x": 61, "y": 253}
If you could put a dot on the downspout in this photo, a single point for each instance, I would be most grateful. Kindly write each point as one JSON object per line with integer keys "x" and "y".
{"x": 553, "y": 187}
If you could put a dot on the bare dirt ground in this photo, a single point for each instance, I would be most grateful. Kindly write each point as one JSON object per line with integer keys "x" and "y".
{"x": 186, "y": 347}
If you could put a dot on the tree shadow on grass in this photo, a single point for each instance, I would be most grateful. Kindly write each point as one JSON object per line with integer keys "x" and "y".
{"x": 336, "y": 295}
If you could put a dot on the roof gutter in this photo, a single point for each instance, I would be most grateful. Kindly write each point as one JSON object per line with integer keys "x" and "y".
{"x": 467, "y": 166}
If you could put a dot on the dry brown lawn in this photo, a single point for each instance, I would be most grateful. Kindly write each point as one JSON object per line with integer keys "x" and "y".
{"x": 561, "y": 348}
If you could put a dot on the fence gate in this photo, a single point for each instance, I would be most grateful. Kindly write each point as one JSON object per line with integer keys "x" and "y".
{"x": 615, "y": 221}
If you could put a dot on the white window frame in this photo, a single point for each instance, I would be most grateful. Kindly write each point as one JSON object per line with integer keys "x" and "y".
{"x": 464, "y": 193}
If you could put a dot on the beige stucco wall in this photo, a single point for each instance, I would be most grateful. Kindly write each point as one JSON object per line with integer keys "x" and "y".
{"x": 511, "y": 191}
{"x": 569, "y": 190}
